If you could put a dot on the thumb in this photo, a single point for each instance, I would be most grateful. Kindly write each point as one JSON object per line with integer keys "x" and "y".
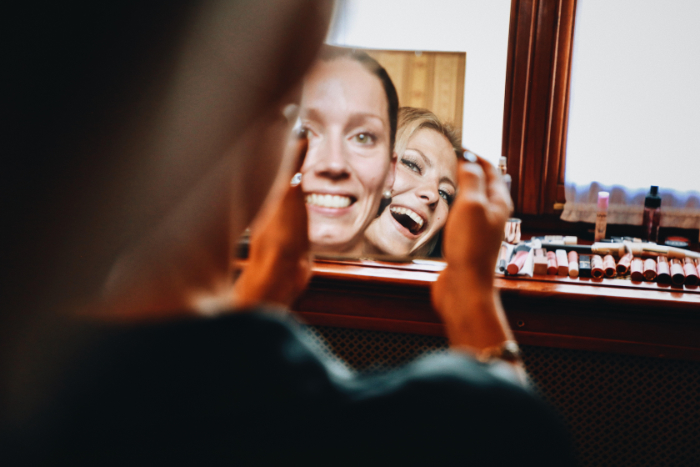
{"x": 472, "y": 182}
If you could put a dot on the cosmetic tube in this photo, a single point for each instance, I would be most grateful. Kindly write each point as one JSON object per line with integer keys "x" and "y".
{"x": 573, "y": 264}
{"x": 623, "y": 266}
{"x": 540, "y": 262}
{"x": 677, "y": 273}
{"x": 649, "y": 269}
{"x": 584, "y": 266}
{"x": 503, "y": 258}
{"x": 691, "y": 272}
{"x": 609, "y": 266}
{"x": 519, "y": 256}
{"x": 637, "y": 270}
{"x": 562, "y": 263}
{"x": 552, "y": 263}
{"x": 601, "y": 218}
{"x": 663, "y": 271}
{"x": 652, "y": 249}
{"x": 597, "y": 267}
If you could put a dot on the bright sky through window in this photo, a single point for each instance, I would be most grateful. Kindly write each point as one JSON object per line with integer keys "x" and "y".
{"x": 634, "y": 114}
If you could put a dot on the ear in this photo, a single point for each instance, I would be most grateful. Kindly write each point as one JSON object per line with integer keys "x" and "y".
{"x": 391, "y": 174}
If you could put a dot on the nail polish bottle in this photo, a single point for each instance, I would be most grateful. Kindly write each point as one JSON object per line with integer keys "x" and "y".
{"x": 652, "y": 215}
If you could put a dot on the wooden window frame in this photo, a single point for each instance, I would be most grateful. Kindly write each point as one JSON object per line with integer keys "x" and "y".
{"x": 536, "y": 104}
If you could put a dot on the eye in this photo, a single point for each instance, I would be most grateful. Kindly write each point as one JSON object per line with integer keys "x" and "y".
{"x": 446, "y": 196}
{"x": 412, "y": 165}
{"x": 364, "y": 138}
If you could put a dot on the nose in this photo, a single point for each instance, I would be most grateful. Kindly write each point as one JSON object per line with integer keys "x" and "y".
{"x": 428, "y": 194}
{"x": 329, "y": 159}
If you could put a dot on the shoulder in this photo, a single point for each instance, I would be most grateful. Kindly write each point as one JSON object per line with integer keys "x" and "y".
{"x": 451, "y": 408}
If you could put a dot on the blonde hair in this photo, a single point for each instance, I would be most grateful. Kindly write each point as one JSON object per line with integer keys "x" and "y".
{"x": 412, "y": 119}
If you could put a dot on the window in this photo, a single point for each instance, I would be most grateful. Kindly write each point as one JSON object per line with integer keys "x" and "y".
{"x": 539, "y": 129}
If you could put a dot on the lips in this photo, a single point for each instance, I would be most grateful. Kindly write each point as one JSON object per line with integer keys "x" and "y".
{"x": 325, "y": 200}
{"x": 409, "y": 219}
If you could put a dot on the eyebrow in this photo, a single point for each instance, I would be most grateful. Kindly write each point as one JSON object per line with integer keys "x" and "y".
{"x": 425, "y": 158}
{"x": 448, "y": 180}
{"x": 313, "y": 113}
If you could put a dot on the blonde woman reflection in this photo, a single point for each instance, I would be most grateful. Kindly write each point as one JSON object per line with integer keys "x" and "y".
{"x": 348, "y": 109}
{"x": 424, "y": 186}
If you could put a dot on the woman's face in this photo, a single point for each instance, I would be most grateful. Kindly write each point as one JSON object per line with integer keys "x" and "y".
{"x": 348, "y": 165}
{"x": 424, "y": 187}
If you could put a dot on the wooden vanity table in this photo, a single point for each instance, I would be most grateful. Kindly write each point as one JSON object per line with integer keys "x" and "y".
{"x": 611, "y": 315}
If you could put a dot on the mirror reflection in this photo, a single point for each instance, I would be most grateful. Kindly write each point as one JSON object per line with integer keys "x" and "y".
{"x": 379, "y": 179}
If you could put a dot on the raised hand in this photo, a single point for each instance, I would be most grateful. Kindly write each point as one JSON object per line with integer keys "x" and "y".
{"x": 464, "y": 294}
{"x": 279, "y": 262}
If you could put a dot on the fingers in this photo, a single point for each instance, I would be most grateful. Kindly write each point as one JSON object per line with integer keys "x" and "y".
{"x": 301, "y": 146}
{"x": 496, "y": 190}
{"x": 472, "y": 182}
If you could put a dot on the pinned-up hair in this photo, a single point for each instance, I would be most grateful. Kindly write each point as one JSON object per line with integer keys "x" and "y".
{"x": 329, "y": 53}
{"x": 412, "y": 119}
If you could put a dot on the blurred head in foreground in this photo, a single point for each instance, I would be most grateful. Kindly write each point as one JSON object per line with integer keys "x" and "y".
{"x": 424, "y": 186}
{"x": 348, "y": 110}
{"x": 142, "y": 136}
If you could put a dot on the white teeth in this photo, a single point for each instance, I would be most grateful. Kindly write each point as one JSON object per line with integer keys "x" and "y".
{"x": 416, "y": 218}
{"x": 328, "y": 201}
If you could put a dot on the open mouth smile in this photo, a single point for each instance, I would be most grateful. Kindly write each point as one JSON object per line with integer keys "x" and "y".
{"x": 409, "y": 219}
{"x": 329, "y": 201}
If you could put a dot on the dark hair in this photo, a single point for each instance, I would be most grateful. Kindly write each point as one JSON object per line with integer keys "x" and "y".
{"x": 329, "y": 53}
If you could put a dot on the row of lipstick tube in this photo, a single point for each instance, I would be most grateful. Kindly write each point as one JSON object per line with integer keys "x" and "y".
{"x": 661, "y": 269}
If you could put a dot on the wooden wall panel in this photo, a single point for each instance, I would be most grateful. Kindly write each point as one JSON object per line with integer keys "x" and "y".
{"x": 432, "y": 80}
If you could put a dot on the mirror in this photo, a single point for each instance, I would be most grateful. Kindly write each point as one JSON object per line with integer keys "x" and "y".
{"x": 479, "y": 28}
{"x": 379, "y": 180}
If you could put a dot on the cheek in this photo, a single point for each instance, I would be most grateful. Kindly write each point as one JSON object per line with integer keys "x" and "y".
{"x": 372, "y": 172}
{"x": 441, "y": 214}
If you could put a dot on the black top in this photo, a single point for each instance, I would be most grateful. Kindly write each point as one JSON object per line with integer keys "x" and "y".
{"x": 246, "y": 389}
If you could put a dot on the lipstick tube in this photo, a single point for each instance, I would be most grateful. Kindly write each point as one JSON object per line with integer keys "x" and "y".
{"x": 677, "y": 273}
{"x": 663, "y": 271}
{"x": 637, "y": 268}
{"x": 649, "y": 269}
{"x": 584, "y": 266}
{"x": 562, "y": 263}
{"x": 552, "y": 263}
{"x": 597, "y": 267}
{"x": 609, "y": 266}
{"x": 516, "y": 264}
{"x": 573, "y": 264}
{"x": 691, "y": 271}
{"x": 623, "y": 266}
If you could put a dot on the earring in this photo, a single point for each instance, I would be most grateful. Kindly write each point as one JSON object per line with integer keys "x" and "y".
{"x": 385, "y": 201}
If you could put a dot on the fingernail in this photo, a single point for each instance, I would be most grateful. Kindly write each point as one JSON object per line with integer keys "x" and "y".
{"x": 469, "y": 156}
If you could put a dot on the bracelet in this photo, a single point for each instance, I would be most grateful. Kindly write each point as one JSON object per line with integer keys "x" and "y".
{"x": 508, "y": 351}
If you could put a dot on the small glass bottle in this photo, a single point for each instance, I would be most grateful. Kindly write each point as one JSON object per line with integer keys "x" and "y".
{"x": 503, "y": 168}
{"x": 652, "y": 215}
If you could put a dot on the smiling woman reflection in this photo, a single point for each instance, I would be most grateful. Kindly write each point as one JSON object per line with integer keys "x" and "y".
{"x": 349, "y": 110}
{"x": 425, "y": 185}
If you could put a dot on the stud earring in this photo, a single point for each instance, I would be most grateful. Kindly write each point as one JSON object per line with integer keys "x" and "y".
{"x": 385, "y": 201}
